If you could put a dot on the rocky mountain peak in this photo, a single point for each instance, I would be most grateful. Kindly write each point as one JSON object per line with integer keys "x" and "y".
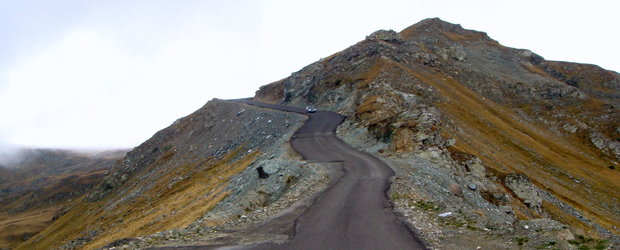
{"x": 436, "y": 88}
{"x": 436, "y": 24}
{"x": 437, "y": 28}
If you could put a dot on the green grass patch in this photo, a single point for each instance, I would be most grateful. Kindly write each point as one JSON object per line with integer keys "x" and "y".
{"x": 522, "y": 240}
{"x": 585, "y": 243}
{"x": 426, "y": 205}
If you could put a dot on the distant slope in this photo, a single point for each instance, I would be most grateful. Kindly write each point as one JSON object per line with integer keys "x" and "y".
{"x": 38, "y": 185}
{"x": 174, "y": 178}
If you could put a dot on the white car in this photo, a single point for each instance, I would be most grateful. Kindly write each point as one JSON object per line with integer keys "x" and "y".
{"x": 310, "y": 109}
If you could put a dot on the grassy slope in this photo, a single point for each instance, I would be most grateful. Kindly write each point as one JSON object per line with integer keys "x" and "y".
{"x": 169, "y": 205}
{"x": 41, "y": 205}
{"x": 17, "y": 228}
{"x": 509, "y": 144}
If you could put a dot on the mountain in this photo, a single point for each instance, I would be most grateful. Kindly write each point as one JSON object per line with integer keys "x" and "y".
{"x": 38, "y": 184}
{"x": 487, "y": 112}
{"x": 205, "y": 162}
{"x": 493, "y": 147}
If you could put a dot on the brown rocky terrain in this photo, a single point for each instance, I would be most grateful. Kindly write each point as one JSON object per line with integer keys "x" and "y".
{"x": 36, "y": 187}
{"x": 493, "y": 148}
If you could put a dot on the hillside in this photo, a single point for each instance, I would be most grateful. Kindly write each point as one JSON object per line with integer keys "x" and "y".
{"x": 493, "y": 147}
{"x": 200, "y": 174}
{"x": 492, "y": 118}
{"x": 37, "y": 186}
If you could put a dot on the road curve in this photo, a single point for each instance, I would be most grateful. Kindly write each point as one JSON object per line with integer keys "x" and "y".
{"x": 354, "y": 213}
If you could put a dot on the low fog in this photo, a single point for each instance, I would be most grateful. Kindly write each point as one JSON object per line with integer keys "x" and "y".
{"x": 10, "y": 156}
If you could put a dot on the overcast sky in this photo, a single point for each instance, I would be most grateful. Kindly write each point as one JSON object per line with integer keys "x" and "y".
{"x": 103, "y": 74}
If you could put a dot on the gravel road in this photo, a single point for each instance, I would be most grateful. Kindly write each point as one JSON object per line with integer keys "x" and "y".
{"x": 354, "y": 213}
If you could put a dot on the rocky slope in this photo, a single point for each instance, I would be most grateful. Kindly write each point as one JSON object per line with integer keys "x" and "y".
{"x": 225, "y": 166}
{"x": 499, "y": 137}
{"x": 38, "y": 184}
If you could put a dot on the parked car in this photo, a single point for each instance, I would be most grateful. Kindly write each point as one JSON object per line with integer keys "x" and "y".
{"x": 310, "y": 109}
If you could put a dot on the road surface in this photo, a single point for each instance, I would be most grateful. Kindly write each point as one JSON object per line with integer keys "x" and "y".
{"x": 354, "y": 213}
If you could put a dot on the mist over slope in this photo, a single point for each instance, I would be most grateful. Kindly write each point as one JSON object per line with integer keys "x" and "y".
{"x": 493, "y": 147}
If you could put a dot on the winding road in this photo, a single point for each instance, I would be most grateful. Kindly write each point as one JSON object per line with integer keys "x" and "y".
{"x": 354, "y": 213}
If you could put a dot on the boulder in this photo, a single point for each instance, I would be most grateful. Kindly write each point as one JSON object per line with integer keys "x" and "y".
{"x": 604, "y": 144}
{"x": 457, "y": 53}
{"x": 427, "y": 59}
{"x": 598, "y": 140}
{"x": 570, "y": 128}
{"x": 476, "y": 168}
{"x": 522, "y": 186}
{"x": 385, "y": 35}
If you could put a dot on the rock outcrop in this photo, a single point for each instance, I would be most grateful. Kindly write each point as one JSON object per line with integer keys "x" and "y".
{"x": 524, "y": 189}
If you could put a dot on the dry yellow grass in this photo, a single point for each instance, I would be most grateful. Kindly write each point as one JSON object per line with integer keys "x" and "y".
{"x": 534, "y": 69}
{"x": 167, "y": 206}
{"x": 14, "y": 227}
{"x": 24, "y": 214}
{"x": 460, "y": 38}
{"x": 577, "y": 226}
{"x": 375, "y": 70}
{"x": 499, "y": 138}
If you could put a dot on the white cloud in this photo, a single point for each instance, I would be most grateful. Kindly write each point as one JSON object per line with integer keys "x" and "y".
{"x": 73, "y": 78}
{"x": 112, "y": 74}
{"x": 87, "y": 91}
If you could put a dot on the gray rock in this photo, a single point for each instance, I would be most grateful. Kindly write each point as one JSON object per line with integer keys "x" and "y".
{"x": 472, "y": 186}
{"x": 457, "y": 53}
{"x": 385, "y": 35}
{"x": 614, "y": 146}
{"x": 598, "y": 140}
{"x": 522, "y": 186}
{"x": 570, "y": 128}
{"x": 604, "y": 144}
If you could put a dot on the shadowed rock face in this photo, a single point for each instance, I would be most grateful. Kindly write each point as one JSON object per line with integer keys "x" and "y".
{"x": 437, "y": 86}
